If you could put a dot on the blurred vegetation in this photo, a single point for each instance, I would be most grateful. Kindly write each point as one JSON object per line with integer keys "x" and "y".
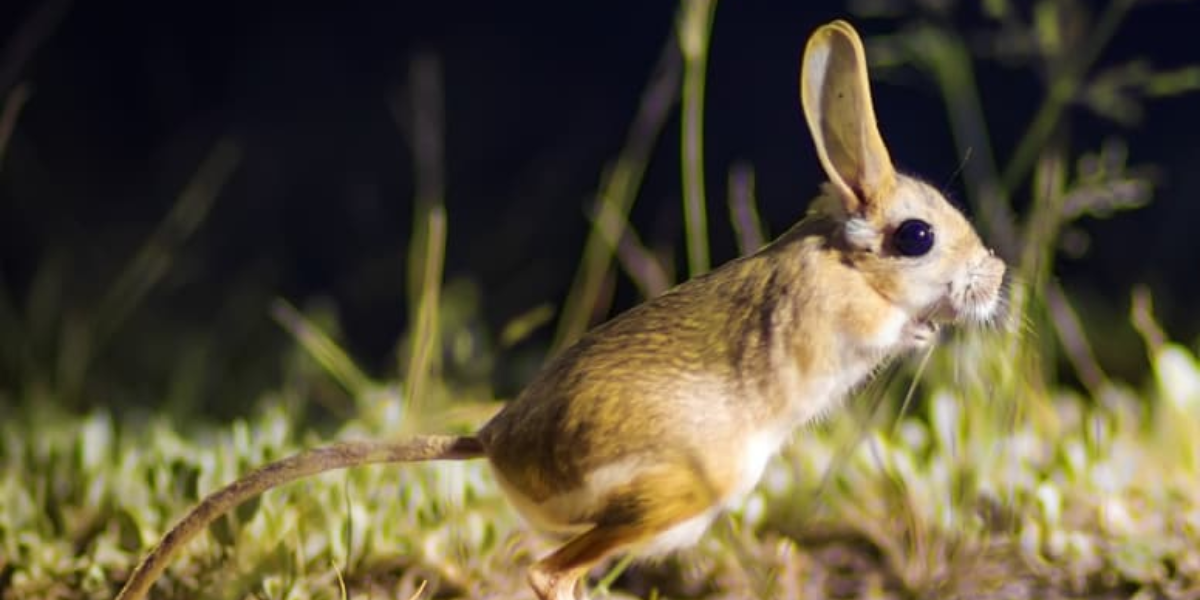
{"x": 982, "y": 470}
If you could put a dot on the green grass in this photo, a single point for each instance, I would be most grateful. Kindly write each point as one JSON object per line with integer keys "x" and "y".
{"x": 953, "y": 499}
{"x": 972, "y": 472}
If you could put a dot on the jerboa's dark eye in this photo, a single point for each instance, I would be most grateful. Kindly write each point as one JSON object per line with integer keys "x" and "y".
{"x": 913, "y": 237}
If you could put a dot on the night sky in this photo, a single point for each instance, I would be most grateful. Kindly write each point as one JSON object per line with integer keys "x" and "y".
{"x": 128, "y": 97}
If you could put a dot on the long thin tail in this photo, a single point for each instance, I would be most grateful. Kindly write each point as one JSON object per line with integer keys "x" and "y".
{"x": 299, "y": 466}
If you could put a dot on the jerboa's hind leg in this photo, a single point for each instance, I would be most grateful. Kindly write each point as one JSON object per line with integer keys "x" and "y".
{"x": 663, "y": 508}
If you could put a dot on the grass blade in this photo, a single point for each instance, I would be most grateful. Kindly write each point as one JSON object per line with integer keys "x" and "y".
{"x": 743, "y": 209}
{"x": 695, "y": 31}
{"x": 618, "y": 190}
{"x": 1061, "y": 94}
{"x": 154, "y": 258}
{"x": 13, "y": 104}
{"x": 426, "y": 252}
{"x": 425, "y": 327}
{"x": 638, "y": 262}
{"x": 43, "y": 19}
{"x": 326, "y": 352}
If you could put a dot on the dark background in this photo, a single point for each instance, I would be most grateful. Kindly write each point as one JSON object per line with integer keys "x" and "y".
{"x": 128, "y": 97}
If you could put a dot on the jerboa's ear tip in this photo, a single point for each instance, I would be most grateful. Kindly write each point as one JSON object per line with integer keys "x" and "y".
{"x": 836, "y": 99}
{"x": 838, "y": 28}
{"x": 825, "y": 45}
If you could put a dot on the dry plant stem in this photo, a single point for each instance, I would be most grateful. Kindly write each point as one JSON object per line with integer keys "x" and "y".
{"x": 759, "y": 579}
{"x": 425, "y": 327}
{"x": 11, "y": 328}
{"x": 8, "y": 118}
{"x": 416, "y": 594}
{"x": 991, "y": 196}
{"x": 321, "y": 348}
{"x": 154, "y": 258}
{"x": 695, "y": 31}
{"x": 641, "y": 264}
{"x": 1141, "y": 308}
{"x": 1037, "y": 152}
{"x": 743, "y": 209}
{"x": 618, "y": 191}
{"x": 1033, "y": 274}
{"x": 1062, "y": 91}
{"x": 520, "y": 327}
{"x": 602, "y": 587}
{"x": 342, "y": 592}
{"x": 948, "y": 60}
{"x": 1074, "y": 341}
{"x": 30, "y": 36}
{"x": 17, "y": 353}
{"x": 1042, "y": 224}
{"x": 348, "y": 538}
{"x": 875, "y": 390}
{"x": 911, "y": 392}
{"x": 427, "y": 139}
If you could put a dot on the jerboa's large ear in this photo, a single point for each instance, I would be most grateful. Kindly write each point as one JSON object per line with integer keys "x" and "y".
{"x": 837, "y": 104}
